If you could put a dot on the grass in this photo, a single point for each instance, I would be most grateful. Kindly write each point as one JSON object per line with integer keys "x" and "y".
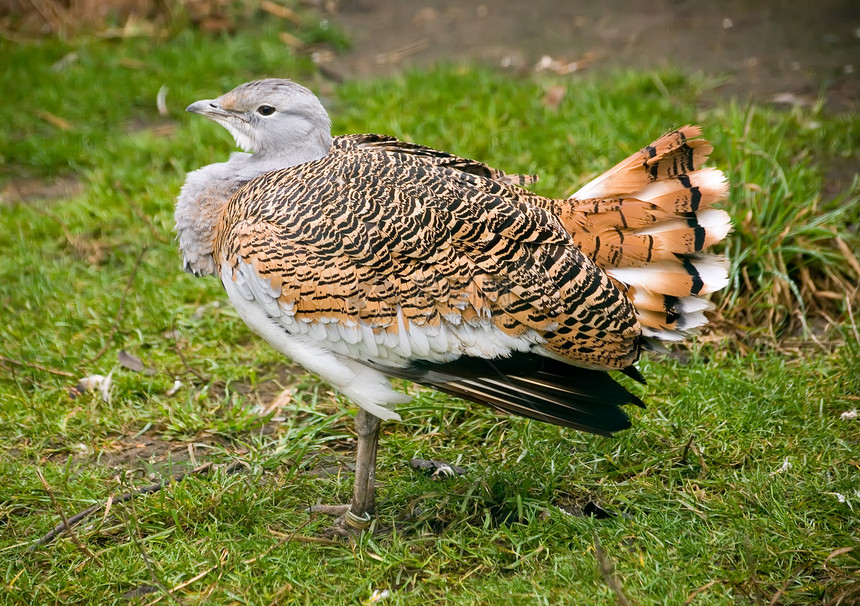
{"x": 738, "y": 484}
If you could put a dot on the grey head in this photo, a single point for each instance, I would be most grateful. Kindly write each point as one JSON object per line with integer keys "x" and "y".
{"x": 272, "y": 117}
{"x": 280, "y": 123}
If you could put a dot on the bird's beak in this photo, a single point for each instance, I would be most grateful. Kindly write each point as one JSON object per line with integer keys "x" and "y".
{"x": 209, "y": 108}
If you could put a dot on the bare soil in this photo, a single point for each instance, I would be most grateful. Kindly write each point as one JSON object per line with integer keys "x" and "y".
{"x": 780, "y": 51}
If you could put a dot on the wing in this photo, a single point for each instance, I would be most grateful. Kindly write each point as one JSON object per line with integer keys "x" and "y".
{"x": 430, "y": 156}
{"x": 393, "y": 261}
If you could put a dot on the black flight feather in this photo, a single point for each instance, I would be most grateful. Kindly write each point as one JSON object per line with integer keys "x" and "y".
{"x": 531, "y": 386}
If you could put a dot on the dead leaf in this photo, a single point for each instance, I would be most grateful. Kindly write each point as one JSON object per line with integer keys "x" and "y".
{"x": 554, "y": 96}
{"x": 280, "y": 11}
{"x": 425, "y": 15}
{"x": 290, "y": 40}
{"x": 60, "y": 123}
{"x": 177, "y": 385}
{"x": 126, "y": 360}
{"x": 440, "y": 469}
{"x": 563, "y": 68}
{"x": 172, "y": 335}
{"x": 100, "y": 382}
{"x": 131, "y": 63}
{"x": 161, "y": 100}
{"x": 285, "y": 398}
{"x": 378, "y": 595}
{"x": 130, "y": 362}
{"x": 65, "y": 62}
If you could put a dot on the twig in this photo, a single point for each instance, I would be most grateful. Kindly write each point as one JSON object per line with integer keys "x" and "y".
{"x": 138, "y": 211}
{"x": 53, "y": 371}
{"x": 137, "y": 540}
{"x": 606, "y": 571}
{"x": 699, "y": 590}
{"x": 195, "y": 578}
{"x": 691, "y": 446}
{"x": 185, "y": 363}
{"x": 53, "y": 14}
{"x": 851, "y": 317}
{"x": 65, "y": 523}
{"x": 118, "y": 317}
{"x": 775, "y": 600}
{"x": 76, "y": 519}
{"x": 840, "y": 599}
{"x": 404, "y": 51}
{"x": 752, "y": 563}
{"x": 281, "y": 11}
{"x": 303, "y": 539}
{"x": 12, "y": 36}
{"x": 686, "y": 450}
{"x": 286, "y": 539}
{"x": 837, "y": 552}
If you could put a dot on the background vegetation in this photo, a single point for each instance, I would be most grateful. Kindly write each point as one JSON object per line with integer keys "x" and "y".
{"x": 738, "y": 484}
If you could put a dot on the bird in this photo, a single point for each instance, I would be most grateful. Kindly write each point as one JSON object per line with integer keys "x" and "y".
{"x": 363, "y": 258}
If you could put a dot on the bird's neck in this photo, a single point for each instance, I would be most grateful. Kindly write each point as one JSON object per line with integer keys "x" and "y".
{"x": 307, "y": 141}
{"x": 207, "y": 191}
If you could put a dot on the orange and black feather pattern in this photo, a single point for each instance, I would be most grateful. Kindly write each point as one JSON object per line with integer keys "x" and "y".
{"x": 402, "y": 241}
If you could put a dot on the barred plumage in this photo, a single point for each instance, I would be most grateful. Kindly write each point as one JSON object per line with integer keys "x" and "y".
{"x": 362, "y": 257}
{"x": 385, "y": 232}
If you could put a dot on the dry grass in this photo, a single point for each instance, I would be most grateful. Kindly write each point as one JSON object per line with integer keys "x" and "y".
{"x": 120, "y": 18}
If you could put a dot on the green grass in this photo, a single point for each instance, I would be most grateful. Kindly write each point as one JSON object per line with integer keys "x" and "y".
{"x": 740, "y": 479}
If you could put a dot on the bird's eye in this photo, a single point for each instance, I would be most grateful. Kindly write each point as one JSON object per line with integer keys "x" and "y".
{"x": 265, "y": 110}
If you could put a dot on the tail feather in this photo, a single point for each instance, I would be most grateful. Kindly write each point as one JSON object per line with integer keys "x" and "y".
{"x": 649, "y": 223}
{"x": 677, "y": 153}
{"x": 686, "y": 193}
{"x": 691, "y": 276}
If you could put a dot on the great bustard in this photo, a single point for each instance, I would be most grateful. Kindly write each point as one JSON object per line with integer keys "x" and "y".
{"x": 362, "y": 257}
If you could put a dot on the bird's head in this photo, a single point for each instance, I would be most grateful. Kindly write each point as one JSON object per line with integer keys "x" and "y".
{"x": 271, "y": 117}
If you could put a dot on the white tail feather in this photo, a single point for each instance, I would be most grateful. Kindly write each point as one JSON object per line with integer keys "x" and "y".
{"x": 670, "y": 278}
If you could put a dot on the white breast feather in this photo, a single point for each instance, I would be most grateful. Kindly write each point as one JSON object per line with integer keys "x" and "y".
{"x": 334, "y": 350}
{"x": 366, "y": 387}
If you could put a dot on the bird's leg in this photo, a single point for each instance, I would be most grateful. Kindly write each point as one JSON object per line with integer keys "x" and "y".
{"x": 356, "y": 515}
{"x": 364, "y": 492}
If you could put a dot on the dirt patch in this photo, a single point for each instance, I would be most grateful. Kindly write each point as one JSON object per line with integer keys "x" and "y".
{"x": 158, "y": 455}
{"x": 152, "y": 453}
{"x": 796, "y": 49}
{"x": 28, "y": 190}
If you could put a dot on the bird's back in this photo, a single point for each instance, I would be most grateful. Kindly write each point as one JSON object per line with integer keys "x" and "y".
{"x": 397, "y": 245}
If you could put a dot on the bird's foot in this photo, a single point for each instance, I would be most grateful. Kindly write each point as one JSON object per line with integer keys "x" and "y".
{"x": 346, "y": 524}
{"x": 439, "y": 470}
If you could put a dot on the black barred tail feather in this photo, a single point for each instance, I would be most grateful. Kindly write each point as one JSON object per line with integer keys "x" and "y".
{"x": 649, "y": 222}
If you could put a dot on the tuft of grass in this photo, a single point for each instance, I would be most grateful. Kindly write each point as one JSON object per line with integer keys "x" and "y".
{"x": 796, "y": 241}
{"x": 737, "y": 483}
